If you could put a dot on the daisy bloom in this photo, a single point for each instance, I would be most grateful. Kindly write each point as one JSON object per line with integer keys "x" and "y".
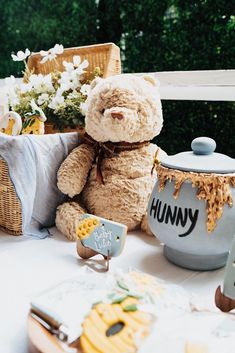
{"x": 56, "y": 102}
{"x": 20, "y": 56}
{"x": 85, "y": 89}
{"x": 43, "y": 98}
{"x": 52, "y": 53}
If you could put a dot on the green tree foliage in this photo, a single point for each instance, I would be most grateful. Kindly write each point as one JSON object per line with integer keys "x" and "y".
{"x": 39, "y": 24}
{"x": 154, "y": 35}
{"x": 184, "y": 35}
{"x": 143, "y": 25}
{"x": 109, "y": 21}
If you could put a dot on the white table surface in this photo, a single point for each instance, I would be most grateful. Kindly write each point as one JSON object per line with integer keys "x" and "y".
{"x": 29, "y": 266}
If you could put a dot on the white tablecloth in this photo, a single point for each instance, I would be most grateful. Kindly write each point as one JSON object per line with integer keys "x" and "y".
{"x": 29, "y": 266}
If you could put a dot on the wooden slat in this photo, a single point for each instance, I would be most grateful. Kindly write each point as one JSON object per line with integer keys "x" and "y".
{"x": 203, "y": 93}
{"x": 214, "y": 85}
{"x": 195, "y": 78}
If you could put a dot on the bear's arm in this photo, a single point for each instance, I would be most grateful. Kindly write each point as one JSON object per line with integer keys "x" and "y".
{"x": 73, "y": 172}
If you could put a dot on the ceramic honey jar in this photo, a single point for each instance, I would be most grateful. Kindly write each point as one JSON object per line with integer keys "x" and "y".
{"x": 191, "y": 208}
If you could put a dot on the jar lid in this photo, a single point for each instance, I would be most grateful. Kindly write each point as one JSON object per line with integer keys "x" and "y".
{"x": 202, "y": 158}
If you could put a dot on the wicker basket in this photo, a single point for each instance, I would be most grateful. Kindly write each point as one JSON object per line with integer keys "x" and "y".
{"x": 10, "y": 206}
{"x": 105, "y": 56}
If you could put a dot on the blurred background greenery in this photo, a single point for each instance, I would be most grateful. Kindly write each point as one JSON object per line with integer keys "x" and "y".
{"x": 154, "y": 35}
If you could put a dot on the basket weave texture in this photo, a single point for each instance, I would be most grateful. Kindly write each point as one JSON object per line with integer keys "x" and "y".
{"x": 107, "y": 58}
{"x": 10, "y": 206}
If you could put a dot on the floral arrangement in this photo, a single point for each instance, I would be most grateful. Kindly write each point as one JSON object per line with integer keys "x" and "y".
{"x": 59, "y": 97}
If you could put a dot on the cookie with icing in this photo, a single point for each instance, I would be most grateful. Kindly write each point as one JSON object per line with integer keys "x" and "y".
{"x": 115, "y": 328}
{"x": 11, "y": 124}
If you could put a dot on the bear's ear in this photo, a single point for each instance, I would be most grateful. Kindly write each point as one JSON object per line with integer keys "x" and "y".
{"x": 151, "y": 80}
{"x": 95, "y": 82}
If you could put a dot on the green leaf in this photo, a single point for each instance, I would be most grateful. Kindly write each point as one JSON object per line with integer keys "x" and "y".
{"x": 131, "y": 307}
{"x": 119, "y": 299}
{"x": 32, "y": 121}
{"x": 122, "y": 285}
{"x": 26, "y": 123}
{"x": 134, "y": 295}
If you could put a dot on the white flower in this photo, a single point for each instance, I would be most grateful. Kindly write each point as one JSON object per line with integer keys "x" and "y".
{"x": 80, "y": 70}
{"x": 25, "y": 87}
{"x": 43, "y": 98}
{"x": 80, "y": 66}
{"x": 56, "y": 102}
{"x": 85, "y": 89}
{"x": 63, "y": 88}
{"x": 12, "y": 97}
{"x": 76, "y": 64}
{"x": 52, "y": 53}
{"x": 76, "y": 60}
{"x": 20, "y": 56}
{"x": 41, "y": 83}
{"x": 10, "y": 81}
{"x": 68, "y": 66}
{"x": 73, "y": 95}
{"x": 37, "y": 111}
{"x": 58, "y": 49}
{"x": 83, "y": 108}
{"x": 11, "y": 91}
{"x": 69, "y": 80}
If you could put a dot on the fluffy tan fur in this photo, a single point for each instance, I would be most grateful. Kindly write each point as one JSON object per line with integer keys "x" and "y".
{"x": 127, "y": 175}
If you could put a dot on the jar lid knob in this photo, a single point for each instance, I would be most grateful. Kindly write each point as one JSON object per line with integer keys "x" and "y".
{"x": 203, "y": 145}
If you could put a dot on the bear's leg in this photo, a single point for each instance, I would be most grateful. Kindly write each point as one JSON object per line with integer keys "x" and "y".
{"x": 144, "y": 225}
{"x": 67, "y": 216}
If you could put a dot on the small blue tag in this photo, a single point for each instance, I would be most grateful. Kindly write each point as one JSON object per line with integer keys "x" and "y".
{"x": 101, "y": 235}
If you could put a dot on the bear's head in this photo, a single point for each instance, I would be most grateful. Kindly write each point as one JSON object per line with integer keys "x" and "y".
{"x": 124, "y": 108}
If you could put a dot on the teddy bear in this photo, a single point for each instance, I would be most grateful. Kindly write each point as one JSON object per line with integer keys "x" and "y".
{"x": 109, "y": 173}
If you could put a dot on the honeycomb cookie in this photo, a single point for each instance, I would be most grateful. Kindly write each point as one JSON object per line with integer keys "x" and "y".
{"x": 86, "y": 227}
{"x": 115, "y": 328}
{"x": 96, "y": 235}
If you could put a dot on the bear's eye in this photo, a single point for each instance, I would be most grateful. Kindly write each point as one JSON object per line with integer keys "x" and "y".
{"x": 102, "y": 111}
